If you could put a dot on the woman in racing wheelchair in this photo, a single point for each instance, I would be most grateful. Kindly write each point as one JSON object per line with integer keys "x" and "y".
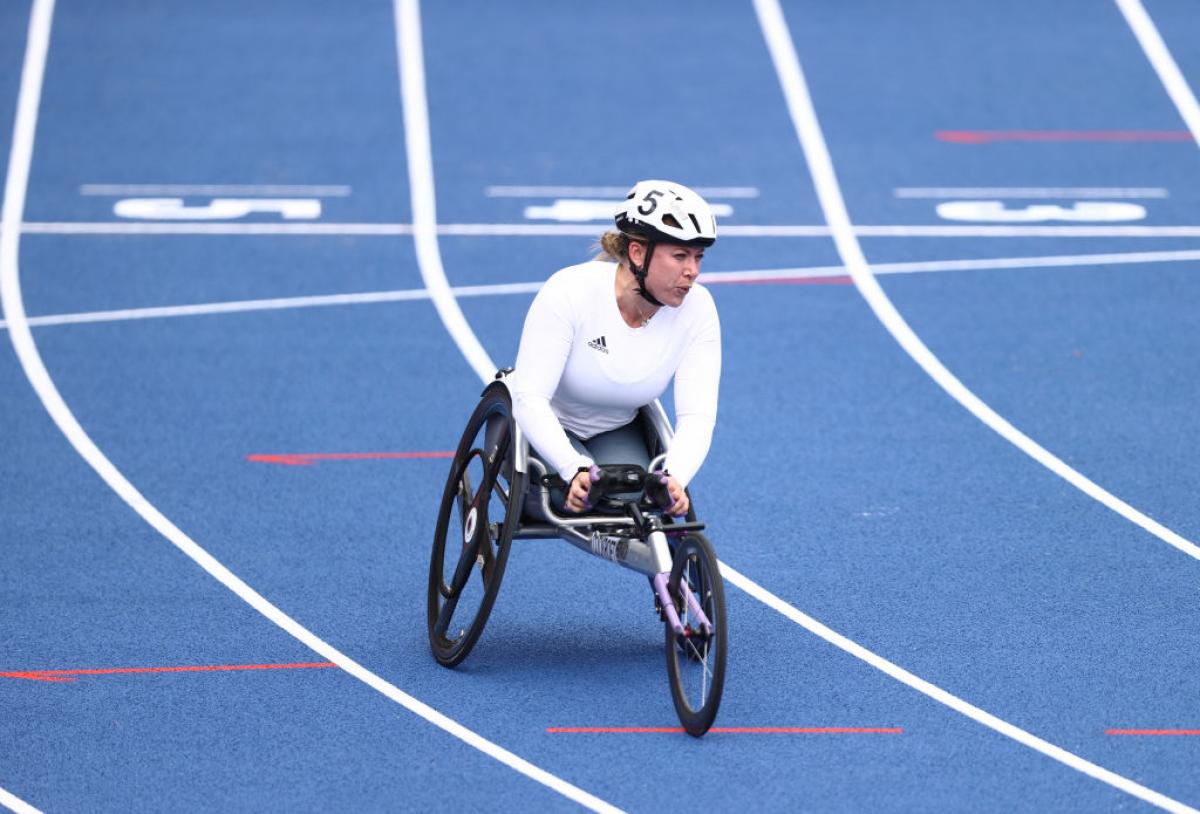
{"x": 601, "y": 342}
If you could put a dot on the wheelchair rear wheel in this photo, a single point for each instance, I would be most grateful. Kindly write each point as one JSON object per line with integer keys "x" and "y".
{"x": 479, "y": 513}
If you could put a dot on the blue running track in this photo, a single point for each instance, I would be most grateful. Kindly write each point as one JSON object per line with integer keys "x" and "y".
{"x": 215, "y": 256}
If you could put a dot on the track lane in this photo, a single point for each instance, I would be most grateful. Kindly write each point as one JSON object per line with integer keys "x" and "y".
{"x": 1128, "y": 785}
{"x": 48, "y": 393}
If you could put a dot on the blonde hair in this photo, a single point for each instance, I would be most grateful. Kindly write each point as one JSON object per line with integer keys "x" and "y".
{"x": 612, "y": 245}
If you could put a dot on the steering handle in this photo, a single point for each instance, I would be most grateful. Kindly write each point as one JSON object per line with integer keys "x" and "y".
{"x": 595, "y": 490}
{"x": 657, "y": 492}
{"x": 625, "y": 479}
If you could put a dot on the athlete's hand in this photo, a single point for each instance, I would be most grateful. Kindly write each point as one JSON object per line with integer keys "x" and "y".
{"x": 577, "y": 492}
{"x": 680, "y": 507}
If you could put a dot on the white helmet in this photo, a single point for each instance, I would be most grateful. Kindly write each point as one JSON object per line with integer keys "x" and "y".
{"x": 666, "y": 212}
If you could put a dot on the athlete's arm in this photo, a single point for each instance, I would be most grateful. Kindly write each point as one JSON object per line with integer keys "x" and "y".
{"x": 545, "y": 345}
{"x": 697, "y": 381}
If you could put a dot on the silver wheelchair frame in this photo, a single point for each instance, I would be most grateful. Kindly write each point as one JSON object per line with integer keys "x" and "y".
{"x": 607, "y": 536}
{"x": 634, "y": 533}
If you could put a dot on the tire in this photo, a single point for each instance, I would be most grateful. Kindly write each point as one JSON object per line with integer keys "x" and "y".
{"x": 696, "y": 662}
{"x": 475, "y": 528}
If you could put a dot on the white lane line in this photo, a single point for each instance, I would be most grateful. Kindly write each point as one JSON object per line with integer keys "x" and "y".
{"x": 1164, "y": 65}
{"x": 15, "y": 804}
{"x": 39, "y": 378}
{"x": 820, "y": 165}
{"x": 274, "y": 304}
{"x": 614, "y": 193}
{"x": 932, "y": 266}
{"x": 932, "y": 691}
{"x": 38, "y": 41}
{"x": 829, "y": 192}
{"x": 803, "y": 230}
{"x": 1024, "y": 231}
{"x": 1029, "y": 192}
{"x": 708, "y": 278}
{"x": 420, "y": 173}
{"x": 231, "y": 307}
{"x": 170, "y": 190}
{"x": 957, "y": 704}
{"x": 728, "y": 230}
{"x": 209, "y": 228}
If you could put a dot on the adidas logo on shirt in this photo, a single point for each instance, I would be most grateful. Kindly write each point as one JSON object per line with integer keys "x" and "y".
{"x": 599, "y": 344}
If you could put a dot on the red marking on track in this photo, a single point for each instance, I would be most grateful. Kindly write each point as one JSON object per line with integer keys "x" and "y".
{"x": 838, "y": 279}
{"x": 728, "y": 730}
{"x": 1185, "y": 732}
{"x": 988, "y": 136}
{"x": 309, "y": 458}
{"x": 63, "y": 675}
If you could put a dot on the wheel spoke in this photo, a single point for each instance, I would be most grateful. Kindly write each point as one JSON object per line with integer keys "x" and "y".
{"x": 466, "y": 561}
{"x": 701, "y": 658}
{"x": 705, "y": 675}
{"x": 465, "y": 495}
{"x": 445, "y": 615}
{"x": 691, "y": 580}
{"x": 501, "y": 446}
{"x": 498, "y": 489}
{"x": 486, "y": 561}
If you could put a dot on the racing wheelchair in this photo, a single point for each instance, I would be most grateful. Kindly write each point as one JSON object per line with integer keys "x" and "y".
{"x": 485, "y": 507}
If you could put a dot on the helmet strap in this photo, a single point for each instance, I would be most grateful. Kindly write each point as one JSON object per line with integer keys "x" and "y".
{"x": 639, "y": 274}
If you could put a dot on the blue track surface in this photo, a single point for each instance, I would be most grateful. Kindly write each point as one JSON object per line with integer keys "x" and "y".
{"x": 842, "y": 478}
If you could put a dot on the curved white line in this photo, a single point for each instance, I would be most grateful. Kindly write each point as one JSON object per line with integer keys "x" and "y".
{"x": 804, "y": 117}
{"x": 820, "y": 165}
{"x": 38, "y": 39}
{"x": 420, "y": 172}
{"x": 896, "y": 672}
{"x": 16, "y": 804}
{"x": 1164, "y": 64}
{"x": 954, "y": 702}
{"x": 35, "y": 370}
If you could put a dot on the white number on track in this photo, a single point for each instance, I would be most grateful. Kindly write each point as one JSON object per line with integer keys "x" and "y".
{"x": 997, "y": 212}
{"x": 217, "y": 208}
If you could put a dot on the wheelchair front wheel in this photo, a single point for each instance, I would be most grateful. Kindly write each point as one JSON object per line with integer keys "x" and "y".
{"x": 696, "y": 657}
{"x": 477, "y": 518}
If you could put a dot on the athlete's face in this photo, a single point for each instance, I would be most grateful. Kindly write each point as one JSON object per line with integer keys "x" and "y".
{"x": 673, "y": 270}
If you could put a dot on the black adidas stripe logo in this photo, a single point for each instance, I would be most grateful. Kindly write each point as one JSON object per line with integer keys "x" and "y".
{"x": 599, "y": 344}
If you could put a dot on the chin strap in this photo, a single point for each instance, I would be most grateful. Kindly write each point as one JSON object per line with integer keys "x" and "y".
{"x": 639, "y": 274}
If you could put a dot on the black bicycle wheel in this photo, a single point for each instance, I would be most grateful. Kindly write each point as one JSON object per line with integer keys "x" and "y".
{"x": 696, "y": 657}
{"x": 475, "y": 527}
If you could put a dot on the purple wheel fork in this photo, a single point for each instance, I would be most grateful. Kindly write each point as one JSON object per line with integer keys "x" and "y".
{"x": 664, "y": 598}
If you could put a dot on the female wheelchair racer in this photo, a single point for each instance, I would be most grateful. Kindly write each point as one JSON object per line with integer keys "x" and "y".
{"x": 576, "y": 445}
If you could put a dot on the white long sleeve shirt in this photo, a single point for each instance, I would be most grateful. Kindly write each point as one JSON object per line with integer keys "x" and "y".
{"x": 581, "y": 367}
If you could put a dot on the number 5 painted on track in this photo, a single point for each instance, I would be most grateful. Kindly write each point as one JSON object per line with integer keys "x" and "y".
{"x": 996, "y": 212}
{"x": 217, "y": 209}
